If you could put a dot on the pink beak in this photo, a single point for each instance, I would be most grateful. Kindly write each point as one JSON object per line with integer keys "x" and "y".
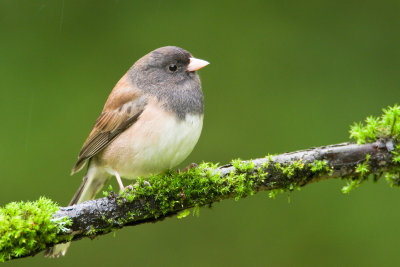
{"x": 196, "y": 64}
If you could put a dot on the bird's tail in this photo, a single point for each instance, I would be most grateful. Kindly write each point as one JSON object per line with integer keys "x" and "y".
{"x": 92, "y": 183}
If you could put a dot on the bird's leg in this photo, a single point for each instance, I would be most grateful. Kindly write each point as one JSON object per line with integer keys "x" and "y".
{"x": 146, "y": 183}
{"x": 121, "y": 185}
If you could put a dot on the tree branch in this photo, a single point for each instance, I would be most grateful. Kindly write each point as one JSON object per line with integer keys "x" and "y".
{"x": 98, "y": 216}
{"x": 28, "y": 228}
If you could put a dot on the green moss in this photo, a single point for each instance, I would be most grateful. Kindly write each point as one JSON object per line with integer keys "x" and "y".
{"x": 183, "y": 214}
{"x": 393, "y": 178}
{"x": 28, "y": 227}
{"x": 363, "y": 170}
{"x": 274, "y": 192}
{"x": 269, "y": 157}
{"x": 320, "y": 166}
{"x": 196, "y": 211}
{"x": 243, "y": 166}
{"x": 351, "y": 184}
{"x": 292, "y": 176}
{"x": 388, "y": 125}
{"x": 195, "y": 188}
{"x": 396, "y": 154}
{"x": 107, "y": 193}
{"x": 290, "y": 169}
{"x": 91, "y": 231}
{"x": 383, "y": 127}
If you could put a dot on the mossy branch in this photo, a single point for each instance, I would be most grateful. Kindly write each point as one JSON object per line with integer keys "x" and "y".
{"x": 28, "y": 228}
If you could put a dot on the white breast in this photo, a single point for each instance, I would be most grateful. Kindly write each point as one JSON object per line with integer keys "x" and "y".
{"x": 156, "y": 142}
{"x": 179, "y": 138}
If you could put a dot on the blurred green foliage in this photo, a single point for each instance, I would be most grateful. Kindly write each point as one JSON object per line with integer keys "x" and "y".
{"x": 284, "y": 75}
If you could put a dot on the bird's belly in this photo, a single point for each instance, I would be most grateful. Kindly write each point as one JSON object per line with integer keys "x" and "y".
{"x": 151, "y": 146}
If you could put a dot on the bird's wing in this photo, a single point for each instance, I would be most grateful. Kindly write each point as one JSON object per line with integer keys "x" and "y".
{"x": 122, "y": 109}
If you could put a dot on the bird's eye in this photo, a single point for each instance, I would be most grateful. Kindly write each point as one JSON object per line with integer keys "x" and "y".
{"x": 172, "y": 67}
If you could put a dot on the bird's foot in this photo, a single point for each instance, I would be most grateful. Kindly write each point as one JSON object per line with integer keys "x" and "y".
{"x": 128, "y": 188}
{"x": 188, "y": 167}
{"x": 121, "y": 185}
{"x": 131, "y": 187}
{"x": 137, "y": 184}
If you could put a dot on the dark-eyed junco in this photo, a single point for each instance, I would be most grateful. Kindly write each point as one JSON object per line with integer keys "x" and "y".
{"x": 150, "y": 123}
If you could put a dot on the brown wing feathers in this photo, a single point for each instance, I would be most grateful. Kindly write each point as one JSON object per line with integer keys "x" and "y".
{"x": 122, "y": 109}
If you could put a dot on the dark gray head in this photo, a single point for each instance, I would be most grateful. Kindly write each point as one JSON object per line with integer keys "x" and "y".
{"x": 169, "y": 73}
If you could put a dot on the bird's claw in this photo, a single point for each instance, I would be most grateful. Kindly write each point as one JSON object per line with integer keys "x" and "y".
{"x": 188, "y": 167}
{"x": 129, "y": 187}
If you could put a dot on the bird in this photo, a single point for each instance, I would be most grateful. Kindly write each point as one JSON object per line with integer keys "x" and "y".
{"x": 151, "y": 122}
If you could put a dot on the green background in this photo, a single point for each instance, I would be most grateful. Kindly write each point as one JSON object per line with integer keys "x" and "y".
{"x": 284, "y": 75}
